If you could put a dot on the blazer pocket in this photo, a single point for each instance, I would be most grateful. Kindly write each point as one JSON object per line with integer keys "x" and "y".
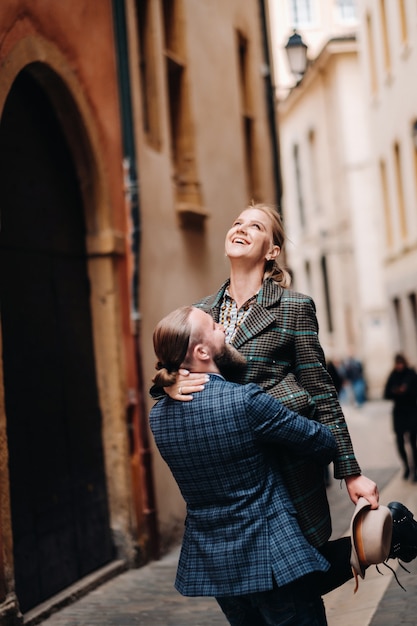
{"x": 294, "y": 396}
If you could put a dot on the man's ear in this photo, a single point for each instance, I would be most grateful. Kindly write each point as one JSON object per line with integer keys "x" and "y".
{"x": 201, "y": 352}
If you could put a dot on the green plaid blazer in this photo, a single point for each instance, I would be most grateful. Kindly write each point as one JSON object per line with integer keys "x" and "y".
{"x": 279, "y": 338}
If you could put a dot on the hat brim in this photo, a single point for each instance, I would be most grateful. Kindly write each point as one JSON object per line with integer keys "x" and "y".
{"x": 371, "y": 532}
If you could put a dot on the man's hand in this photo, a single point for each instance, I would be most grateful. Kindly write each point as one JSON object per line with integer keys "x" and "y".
{"x": 358, "y": 486}
{"x": 186, "y": 384}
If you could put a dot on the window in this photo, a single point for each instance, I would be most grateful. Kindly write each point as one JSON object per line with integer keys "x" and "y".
{"x": 346, "y": 10}
{"x": 187, "y": 187}
{"x": 398, "y": 317}
{"x": 298, "y": 182}
{"x": 327, "y": 300}
{"x": 314, "y": 162}
{"x": 413, "y": 310}
{"x": 175, "y": 69}
{"x": 409, "y": 324}
{"x": 413, "y": 302}
{"x": 309, "y": 282}
{"x": 386, "y": 204}
{"x": 400, "y": 192}
{"x": 248, "y": 119}
{"x": 371, "y": 54}
{"x": 403, "y": 21}
{"x": 414, "y": 148}
{"x": 413, "y": 305}
{"x": 147, "y": 71}
{"x": 301, "y": 12}
{"x": 385, "y": 39}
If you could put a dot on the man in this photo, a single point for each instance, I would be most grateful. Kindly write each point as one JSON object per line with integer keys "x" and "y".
{"x": 401, "y": 387}
{"x": 242, "y": 543}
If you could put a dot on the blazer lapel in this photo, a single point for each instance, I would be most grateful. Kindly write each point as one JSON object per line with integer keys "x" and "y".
{"x": 259, "y": 316}
{"x": 212, "y": 304}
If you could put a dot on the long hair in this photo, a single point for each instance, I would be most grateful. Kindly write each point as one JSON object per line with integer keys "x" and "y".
{"x": 171, "y": 340}
{"x": 272, "y": 268}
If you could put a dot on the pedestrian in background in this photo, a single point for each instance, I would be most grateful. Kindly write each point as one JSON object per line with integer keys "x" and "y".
{"x": 401, "y": 388}
{"x": 353, "y": 376}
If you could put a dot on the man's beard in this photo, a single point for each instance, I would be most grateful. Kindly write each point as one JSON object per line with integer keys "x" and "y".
{"x": 230, "y": 362}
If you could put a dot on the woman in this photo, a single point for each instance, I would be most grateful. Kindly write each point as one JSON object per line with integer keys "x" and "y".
{"x": 277, "y": 331}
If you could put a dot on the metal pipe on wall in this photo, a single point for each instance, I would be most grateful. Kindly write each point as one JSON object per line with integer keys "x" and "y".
{"x": 270, "y": 98}
{"x": 137, "y": 407}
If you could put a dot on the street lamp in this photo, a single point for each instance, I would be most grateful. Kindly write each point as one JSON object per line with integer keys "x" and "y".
{"x": 296, "y": 51}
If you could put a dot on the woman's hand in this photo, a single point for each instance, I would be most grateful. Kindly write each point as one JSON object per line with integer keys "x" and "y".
{"x": 360, "y": 485}
{"x": 186, "y": 384}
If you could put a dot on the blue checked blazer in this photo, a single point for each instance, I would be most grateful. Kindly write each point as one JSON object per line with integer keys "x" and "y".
{"x": 279, "y": 338}
{"x": 241, "y": 531}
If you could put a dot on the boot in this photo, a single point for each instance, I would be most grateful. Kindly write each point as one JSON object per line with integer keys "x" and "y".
{"x": 404, "y": 533}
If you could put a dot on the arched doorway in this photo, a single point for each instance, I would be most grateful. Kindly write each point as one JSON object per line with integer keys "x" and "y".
{"x": 57, "y": 482}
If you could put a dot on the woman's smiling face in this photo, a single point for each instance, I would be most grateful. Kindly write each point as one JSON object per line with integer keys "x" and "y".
{"x": 250, "y": 237}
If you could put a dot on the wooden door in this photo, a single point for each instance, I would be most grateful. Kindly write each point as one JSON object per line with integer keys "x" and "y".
{"x": 57, "y": 481}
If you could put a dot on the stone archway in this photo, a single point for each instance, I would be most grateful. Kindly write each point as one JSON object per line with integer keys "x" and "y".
{"x": 81, "y": 220}
{"x": 58, "y": 492}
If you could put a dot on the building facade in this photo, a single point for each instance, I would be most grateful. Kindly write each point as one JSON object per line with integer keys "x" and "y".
{"x": 388, "y": 34}
{"x": 330, "y": 209}
{"x": 131, "y": 134}
{"x": 205, "y": 149}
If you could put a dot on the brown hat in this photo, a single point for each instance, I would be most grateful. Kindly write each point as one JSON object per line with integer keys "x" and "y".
{"x": 371, "y": 532}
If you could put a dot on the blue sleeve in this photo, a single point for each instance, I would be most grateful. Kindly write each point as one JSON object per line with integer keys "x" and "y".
{"x": 272, "y": 422}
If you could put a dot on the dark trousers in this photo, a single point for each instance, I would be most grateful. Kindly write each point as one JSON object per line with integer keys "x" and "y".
{"x": 291, "y": 605}
{"x": 337, "y": 554}
{"x": 400, "y": 441}
{"x": 296, "y": 604}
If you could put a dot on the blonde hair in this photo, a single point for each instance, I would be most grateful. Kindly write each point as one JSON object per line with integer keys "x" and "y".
{"x": 272, "y": 268}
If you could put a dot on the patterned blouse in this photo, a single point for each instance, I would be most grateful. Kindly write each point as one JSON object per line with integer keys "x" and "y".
{"x": 230, "y": 316}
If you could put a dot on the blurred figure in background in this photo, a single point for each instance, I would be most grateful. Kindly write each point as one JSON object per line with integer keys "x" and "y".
{"x": 352, "y": 372}
{"x": 401, "y": 387}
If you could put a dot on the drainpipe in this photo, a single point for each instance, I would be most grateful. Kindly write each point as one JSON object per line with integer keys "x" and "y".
{"x": 137, "y": 407}
{"x": 270, "y": 99}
